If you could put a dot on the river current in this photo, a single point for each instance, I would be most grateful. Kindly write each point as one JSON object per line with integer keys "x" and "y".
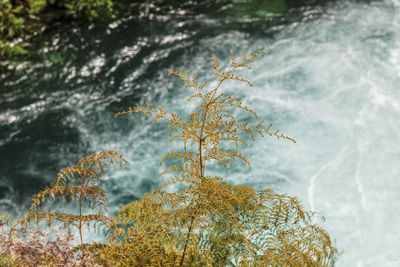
{"x": 330, "y": 79}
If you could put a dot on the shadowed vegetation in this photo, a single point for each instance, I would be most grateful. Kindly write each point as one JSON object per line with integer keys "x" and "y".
{"x": 22, "y": 19}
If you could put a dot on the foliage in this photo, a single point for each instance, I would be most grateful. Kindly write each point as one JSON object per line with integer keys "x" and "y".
{"x": 92, "y": 9}
{"x": 21, "y": 19}
{"x": 28, "y": 247}
{"x": 5, "y": 221}
{"x": 209, "y": 222}
{"x": 81, "y": 183}
{"x": 11, "y": 25}
{"x": 5, "y": 258}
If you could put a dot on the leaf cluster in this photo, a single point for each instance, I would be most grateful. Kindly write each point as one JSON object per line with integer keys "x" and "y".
{"x": 23, "y": 18}
{"x": 207, "y": 222}
{"x": 233, "y": 226}
{"x": 34, "y": 247}
{"x": 80, "y": 183}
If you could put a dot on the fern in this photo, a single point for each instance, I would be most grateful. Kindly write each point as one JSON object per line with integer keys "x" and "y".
{"x": 80, "y": 182}
{"x": 209, "y": 222}
{"x": 5, "y": 221}
{"x": 5, "y": 258}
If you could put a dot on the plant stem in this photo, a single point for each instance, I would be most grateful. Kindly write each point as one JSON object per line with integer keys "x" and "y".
{"x": 202, "y": 166}
{"x": 201, "y": 177}
{"x": 80, "y": 212}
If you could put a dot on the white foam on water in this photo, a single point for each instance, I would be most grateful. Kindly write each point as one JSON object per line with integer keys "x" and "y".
{"x": 332, "y": 83}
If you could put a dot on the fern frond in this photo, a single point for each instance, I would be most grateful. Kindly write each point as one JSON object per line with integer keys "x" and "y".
{"x": 80, "y": 182}
{"x": 5, "y": 220}
{"x": 207, "y": 221}
{"x": 187, "y": 156}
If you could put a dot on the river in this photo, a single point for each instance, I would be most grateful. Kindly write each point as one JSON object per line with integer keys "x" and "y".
{"x": 330, "y": 79}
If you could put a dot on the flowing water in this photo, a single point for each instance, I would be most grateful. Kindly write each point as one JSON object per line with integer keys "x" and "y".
{"x": 331, "y": 80}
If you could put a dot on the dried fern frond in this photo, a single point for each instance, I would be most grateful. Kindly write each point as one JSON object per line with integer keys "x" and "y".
{"x": 209, "y": 222}
{"x": 234, "y": 225}
{"x": 36, "y": 247}
{"x": 82, "y": 183}
{"x": 5, "y": 221}
{"x": 212, "y": 123}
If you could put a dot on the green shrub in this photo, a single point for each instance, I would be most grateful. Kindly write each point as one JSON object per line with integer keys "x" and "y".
{"x": 28, "y": 17}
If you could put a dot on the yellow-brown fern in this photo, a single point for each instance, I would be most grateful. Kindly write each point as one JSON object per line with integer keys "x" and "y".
{"x": 209, "y": 222}
{"x": 81, "y": 182}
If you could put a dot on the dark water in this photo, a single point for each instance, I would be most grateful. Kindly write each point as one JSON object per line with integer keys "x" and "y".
{"x": 330, "y": 80}
{"x": 54, "y": 105}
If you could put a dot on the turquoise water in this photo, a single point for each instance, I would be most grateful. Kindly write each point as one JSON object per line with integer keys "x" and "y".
{"x": 330, "y": 80}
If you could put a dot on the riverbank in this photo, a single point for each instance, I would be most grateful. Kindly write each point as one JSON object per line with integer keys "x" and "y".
{"x": 22, "y": 20}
